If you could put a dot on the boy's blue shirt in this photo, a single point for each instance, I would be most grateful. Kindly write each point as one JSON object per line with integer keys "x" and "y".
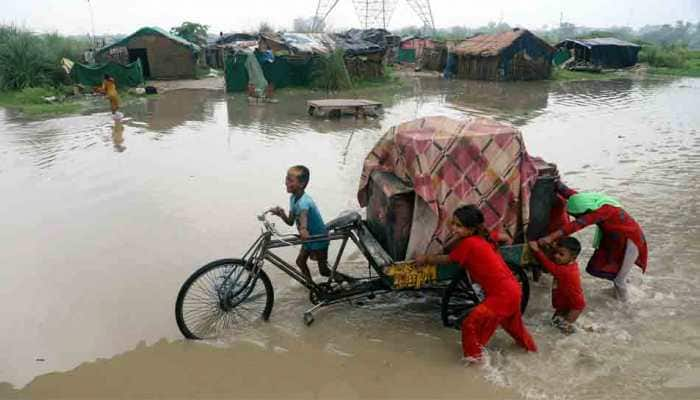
{"x": 315, "y": 223}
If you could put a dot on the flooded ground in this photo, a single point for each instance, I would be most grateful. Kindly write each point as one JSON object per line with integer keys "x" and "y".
{"x": 101, "y": 224}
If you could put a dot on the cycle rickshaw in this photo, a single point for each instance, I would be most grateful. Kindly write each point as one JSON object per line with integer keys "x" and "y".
{"x": 227, "y": 293}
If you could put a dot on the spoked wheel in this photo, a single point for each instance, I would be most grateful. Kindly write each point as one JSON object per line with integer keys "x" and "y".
{"x": 461, "y": 297}
{"x": 220, "y": 296}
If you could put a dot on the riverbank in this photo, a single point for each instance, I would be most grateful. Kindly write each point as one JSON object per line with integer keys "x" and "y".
{"x": 244, "y": 369}
{"x": 691, "y": 69}
{"x": 32, "y": 102}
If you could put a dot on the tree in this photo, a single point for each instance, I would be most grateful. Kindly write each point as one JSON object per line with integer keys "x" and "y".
{"x": 265, "y": 27}
{"x": 192, "y": 31}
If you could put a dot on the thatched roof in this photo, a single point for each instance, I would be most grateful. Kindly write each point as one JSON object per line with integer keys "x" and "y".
{"x": 492, "y": 45}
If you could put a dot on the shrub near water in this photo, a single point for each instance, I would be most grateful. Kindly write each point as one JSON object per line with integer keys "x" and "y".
{"x": 30, "y": 60}
{"x": 664, "y": 56}
{"x": 24, "y": 61}
{"x": 330, "y": 73}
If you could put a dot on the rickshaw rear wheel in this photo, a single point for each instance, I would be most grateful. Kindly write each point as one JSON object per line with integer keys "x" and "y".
{"x": 460, "y": 297}
{"x": 220, "y": 296}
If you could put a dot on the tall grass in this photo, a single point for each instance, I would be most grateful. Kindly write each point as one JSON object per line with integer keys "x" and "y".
{"x": 330, "y": 73}
{"x": 664, "y": 56}
{"x": 31, "y": 60}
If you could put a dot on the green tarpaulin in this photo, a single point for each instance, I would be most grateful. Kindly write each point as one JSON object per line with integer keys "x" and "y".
{"x": 92, "y": 75}
{"x": 407, "y": 55}
{"x": 283, "y": 72}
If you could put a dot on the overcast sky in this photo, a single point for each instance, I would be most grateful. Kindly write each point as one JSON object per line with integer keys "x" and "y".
{"x": 125, "y": 16}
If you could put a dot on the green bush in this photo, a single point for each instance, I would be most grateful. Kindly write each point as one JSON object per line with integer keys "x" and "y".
{"x": 24, "y": 61}
{"x": 664, "y": 56}
{"x": 330, "y": 73}
{"x": 30, "y": 60}
{"x": 33, "y": 95}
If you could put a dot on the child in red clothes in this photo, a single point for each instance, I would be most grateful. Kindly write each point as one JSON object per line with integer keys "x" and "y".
{"x": 567, "y": 295}
{"x": 477, "y": 254}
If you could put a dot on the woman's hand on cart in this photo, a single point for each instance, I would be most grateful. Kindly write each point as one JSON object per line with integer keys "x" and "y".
{"x": 421, "y": 260}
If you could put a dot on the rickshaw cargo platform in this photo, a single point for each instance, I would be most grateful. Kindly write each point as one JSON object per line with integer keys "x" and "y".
{"x": 335, "y": 108}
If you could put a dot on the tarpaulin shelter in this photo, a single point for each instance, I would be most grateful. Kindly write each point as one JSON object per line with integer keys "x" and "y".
{"x": 449, "y": 163}
{"x": 513, "y": 55}
{"x": 215, "y": 51}
{"x": 364, "y": 58}
{"x": 92, "y": 75}
{"x": 162, "y": 54}
{"x": 604, "y": 52}
{"x": 242, "y": 68}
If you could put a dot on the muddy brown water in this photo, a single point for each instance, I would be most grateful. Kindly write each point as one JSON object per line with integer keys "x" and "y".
{"x": 101, "y": 224}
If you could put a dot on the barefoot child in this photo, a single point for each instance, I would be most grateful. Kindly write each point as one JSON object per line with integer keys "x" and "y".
{"x": 478, "y": 254}
{"x": 109, "y": 88}
{"x": 304, "y": 212}
{"x": 567, "y": 295}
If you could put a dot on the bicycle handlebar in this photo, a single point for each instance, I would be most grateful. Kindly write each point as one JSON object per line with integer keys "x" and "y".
{"x": 270, "y": 226}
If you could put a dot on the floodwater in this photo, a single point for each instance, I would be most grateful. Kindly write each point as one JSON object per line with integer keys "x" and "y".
{"x": 101, "y": 224}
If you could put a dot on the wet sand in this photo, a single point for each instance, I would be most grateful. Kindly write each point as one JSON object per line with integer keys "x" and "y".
{"x": 103, "y": 223}
{"x": 291, "y": 369}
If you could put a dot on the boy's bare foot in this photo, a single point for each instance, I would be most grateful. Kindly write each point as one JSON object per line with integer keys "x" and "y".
{"x": 563, "y": 325}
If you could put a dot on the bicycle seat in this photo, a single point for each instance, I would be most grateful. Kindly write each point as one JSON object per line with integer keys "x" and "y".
{"x": 345, "y": 220}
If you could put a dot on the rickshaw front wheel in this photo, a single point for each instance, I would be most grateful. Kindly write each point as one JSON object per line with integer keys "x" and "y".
{"x": 222, "y": 296}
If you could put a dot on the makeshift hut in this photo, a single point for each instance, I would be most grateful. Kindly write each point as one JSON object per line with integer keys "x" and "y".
{"x": 215, "y": 51}
{"x": 364, "y": 59}
{"x": 412, "y": 47}
{"x": 162, "y": 54}
{"x": 434, "y": 58}
{"x": 513, "y": 55}
{"x": 602, "y": 52}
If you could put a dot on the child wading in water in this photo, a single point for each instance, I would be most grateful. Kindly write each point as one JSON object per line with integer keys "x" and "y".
{"x": 619, "y": 240}
{"x": 304, "y": 212}
{"x": 567, "y": 295}
{"x": 478, "y": 254}
{"x": 109, "y": 88}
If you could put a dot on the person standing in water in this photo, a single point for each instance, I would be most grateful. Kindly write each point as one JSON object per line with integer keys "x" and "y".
{"x": 109, "y": 88}
{"x": 567, "y": 295}
{"x": 477, "y": 253}
{"x": 619, "y": 240}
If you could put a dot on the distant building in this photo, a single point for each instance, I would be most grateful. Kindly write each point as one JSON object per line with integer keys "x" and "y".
{"x": 602, "y": 52}
{"x": 513, "y": 55}
{"x": 412, "y": 48}
{"x": 216, "y": 50}
{"x": 162, "y": 54}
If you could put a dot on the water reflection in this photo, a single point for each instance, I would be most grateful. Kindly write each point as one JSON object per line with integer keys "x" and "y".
{"x": 118, "y": 137}
{"x": 289, "y": 116}
{"x": 166, "y": 206}
{"x": 173, "y": 109}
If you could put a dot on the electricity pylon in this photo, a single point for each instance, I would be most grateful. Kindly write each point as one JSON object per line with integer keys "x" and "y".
{"x": 375, "y": 13}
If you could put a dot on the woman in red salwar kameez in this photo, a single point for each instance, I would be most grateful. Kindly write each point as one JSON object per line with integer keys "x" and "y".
{"x": 619, "y": 242}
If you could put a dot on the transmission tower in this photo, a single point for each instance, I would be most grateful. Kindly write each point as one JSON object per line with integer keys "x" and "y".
{"x": 375, "y": 13}
{"x": 424, "y": 12}
{"x": 323, "y": 8}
